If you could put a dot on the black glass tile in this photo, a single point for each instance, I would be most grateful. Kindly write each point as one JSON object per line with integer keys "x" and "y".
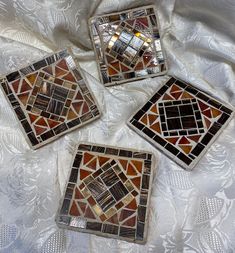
{"x": 223, "y": 118}
{"x": 174, "y": 124}
{"x": 65, "y": 207}
{"x": 172, "y": 111}
{"x": 26, "y": 126}
{"x": 109, "y": 177}
{"x": 160, "y": 140}
{"x": 206, "y": 139}
{"x": 215, "y": 128}
{"x": 13, "y": 76}
{"x": 172, "y": 149}
{"x": 145, "y": 182}
{"x": 40, "y": 64}
{"x": 141, "y": 213}
{"x": 184, "y": 158}
{"x": 95, "y": 226}
{"x": 140, "y": 231}
{"x": 20, "y": 114}
{"x": 125, "y": 153}
{"x": 61, "y": 128}
{"x": 47, "y": 135}
{"x": 198, "y": 149}
{"x": 32, "y": 138}
{"x": 149, "y": 132}
{"x": 73, "y": 176}
{"x": 98, "y": 149}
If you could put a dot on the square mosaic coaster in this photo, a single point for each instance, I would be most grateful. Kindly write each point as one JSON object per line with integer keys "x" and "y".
{"x": 182, "y": 121}
{"x": 127, "y": 45}
{"x": 108, "y": 193}
{"x": 50, "y": 98}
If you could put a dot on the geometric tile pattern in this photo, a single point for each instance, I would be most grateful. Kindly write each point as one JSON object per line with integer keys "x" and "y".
{"x": 50, "y": 98}
{"x": 127, "y": 45}
{"x": 108, "y": 193}
{"x": 182, "y": 121}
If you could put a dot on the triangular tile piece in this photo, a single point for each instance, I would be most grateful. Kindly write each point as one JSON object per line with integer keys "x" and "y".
{"x": 84, "y": 174}
{"x": 123, "y": 163}
{"x": 77, "y": 107}
{"x": 156, "y": 127}
{"x": 60, "y": 72}
{"x": 102, "y": 160}
{"x": 147, "y": 58}
{"x": 207, "y": 113}
{"x": 41, "y": 122}
{"x": 15, "y": 86}
{"x": 82, "y": 206}
{"x": 124, "y": 214}
{"x": 115, "y": 65}
{"x": 70, "y": 78}
{"x": 187, "y": 148}
{"x": 92, "y": 164}
{"x": 144, "y": 119}
{"x": 175, "y": 88}
{"x": 138, "y": 165}
{"x": 186, "y": 95}
{"x": 152, "y": 118}
{"x": 136, "y": 181}
{"x": 184, "y": 140}
{"x": 85, "y": 108}
{"x": 32, "y": 117}
{"x": 74, "y": 209}
{"x": 130, "y": 222}
{"x": 132, "y": 205}
{"x": 24, "y": 98}
{"x": 208, "y": 123}
{"x": 71, "y": 114}
{"x": 113, "y": 219}
{"x": 39, "y": 130}
{"x": 173, "y": 140}
{"x": 215, "y": 112}
{"x": 124, "y": 68}
{"x": 131, "y": 170}
{"x": 48, "y": 70}
{"x": 63, "y": 65}
{"x": 139, "y": 66}
{"x": 87, "y": 157}
{"x": 79, "y": 96}
{"x": 154, "y": 109}
{"x": 78, "y": 194}
{"x": 25, "y": 87}
{"x": 89, "y": 213}
{"x": 112, "y": 71}
{"x": 176, "y": 95}
{"x": 167, "y": 97}
{"x": 195, "y": 138}
{"x": 32, "y": 78}
{"x": 202, "y": 106}
{"x": 52, "y": 123}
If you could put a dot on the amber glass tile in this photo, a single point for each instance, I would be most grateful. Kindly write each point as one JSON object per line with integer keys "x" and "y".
{"x": 182, "y": 121}
{"x": 50, "y": 98}
{"x": 127, "y": 45}
{"x": 101, "y": 201}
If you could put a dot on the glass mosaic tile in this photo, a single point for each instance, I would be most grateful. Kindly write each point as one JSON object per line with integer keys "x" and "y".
{"x": 127, "y": 45}
{"x": 50, "y": 98}
{"x": 182, "y": 121}
{"x": 108, "y": 192}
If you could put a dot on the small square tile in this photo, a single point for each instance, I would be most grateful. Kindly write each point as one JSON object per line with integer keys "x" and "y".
{"x": 50, "y": 98}
{"x": 182, "y": 121}
{"x": 127, "y": 45}
{"x": 108, "y": 201}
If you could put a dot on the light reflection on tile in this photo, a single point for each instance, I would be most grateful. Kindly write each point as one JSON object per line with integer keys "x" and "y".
{"x": 127, "y": 45}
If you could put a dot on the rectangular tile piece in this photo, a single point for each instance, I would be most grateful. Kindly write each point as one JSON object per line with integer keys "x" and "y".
{"x": 109, "y": 192}
{"x": 50, "y": 98}
{"x": 128, "y": 45}
{"x": 182, "y": 121}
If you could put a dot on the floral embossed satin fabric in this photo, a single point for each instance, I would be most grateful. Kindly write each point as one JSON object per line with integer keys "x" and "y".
{"x": 189, "y": 211}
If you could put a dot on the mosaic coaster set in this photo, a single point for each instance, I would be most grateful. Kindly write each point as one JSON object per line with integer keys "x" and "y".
{"x": 108, "y": 191}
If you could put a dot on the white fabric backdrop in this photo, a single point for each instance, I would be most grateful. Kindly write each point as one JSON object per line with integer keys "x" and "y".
{"x": 190, "y": 211}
